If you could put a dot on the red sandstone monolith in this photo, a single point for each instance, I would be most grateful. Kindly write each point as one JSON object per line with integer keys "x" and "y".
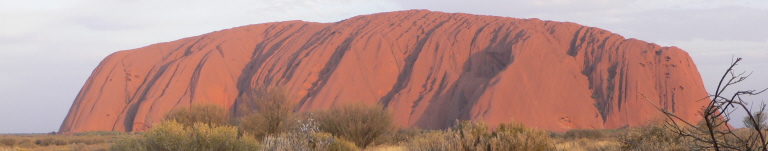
{"x": 429, "y": 68}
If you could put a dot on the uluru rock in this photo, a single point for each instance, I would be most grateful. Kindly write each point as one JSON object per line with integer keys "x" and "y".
{"x": 429, "y": 68}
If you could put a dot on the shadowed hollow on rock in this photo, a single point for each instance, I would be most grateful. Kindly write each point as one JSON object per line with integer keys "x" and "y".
{"x": 429, "y": 68}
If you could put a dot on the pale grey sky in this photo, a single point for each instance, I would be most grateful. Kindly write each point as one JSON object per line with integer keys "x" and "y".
{"x": 48, "y": 48}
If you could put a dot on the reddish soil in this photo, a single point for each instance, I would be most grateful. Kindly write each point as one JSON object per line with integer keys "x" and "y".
{"x": 429, "y": 68}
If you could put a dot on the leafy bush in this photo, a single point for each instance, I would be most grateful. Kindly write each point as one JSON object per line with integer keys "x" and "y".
{"x": 51, "y": 141}
{"x": 265, "y": 111}
{"x": 171, "y": 135}
{"x": 585, "y": 133}
{"x": 43, "y": 142}
{"x": 167, "y": 136}
{"x": 28, "y": 144}
{"x": 342, "y": 145}
{"x": 471, "y": 135}
{"x": 208, "y": 114}
{"x": 99, "y": 133}
{"x": 400, "y": 136}
{"x": 361, "y": 124}
{"x": 129, "y": 143}
{"x": 10, "y": 142}
{"x": 87, "y": 140}
{"x": 515, "y": 136}
{"x": 22, "y": 141}
{"x": 59, "y": 142}
{"x": 207, "y": 137}
{"x": 80, "y": 147}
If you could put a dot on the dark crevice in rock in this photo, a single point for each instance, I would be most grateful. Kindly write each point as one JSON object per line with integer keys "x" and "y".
{"x": 328, "y": 69}
{"x": 405, "y": 74}
{"x": 575, "y": 43}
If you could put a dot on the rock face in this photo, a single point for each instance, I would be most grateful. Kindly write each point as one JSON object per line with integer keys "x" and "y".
{"x": 429, "y": 68}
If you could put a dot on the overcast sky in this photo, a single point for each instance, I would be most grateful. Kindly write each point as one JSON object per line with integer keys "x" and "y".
{"x": 48, "y": 48}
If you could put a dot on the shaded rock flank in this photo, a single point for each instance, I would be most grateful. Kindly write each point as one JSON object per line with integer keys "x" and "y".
{"x": 430, "y": 68}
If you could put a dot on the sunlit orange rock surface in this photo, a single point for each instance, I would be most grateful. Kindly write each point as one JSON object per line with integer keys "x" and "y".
{"x": 429, "y": 68}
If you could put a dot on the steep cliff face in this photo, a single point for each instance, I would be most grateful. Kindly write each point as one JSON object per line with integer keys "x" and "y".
{"x": 430, "y": 68}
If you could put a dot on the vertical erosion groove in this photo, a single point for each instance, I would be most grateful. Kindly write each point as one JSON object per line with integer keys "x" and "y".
{"x": 132, "y": 108}
{"x": 405, "y": 75}
{"x": 260, "y": 55}
{"x": 328, "y": 70}
{"x": 575, "y": 44}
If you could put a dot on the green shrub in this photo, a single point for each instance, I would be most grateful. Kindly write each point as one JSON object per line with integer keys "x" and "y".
{"x": 342, "y": 145}
{"x": 260, "y": 125}
{"x": 45, "y": 141}
{"x": 80, "y": 147}
{"x": 265, "y": 111}
{"x": 471, "y": 135}
{"x": 167, "y": 136}
{"x": 48, "y": 141}
{"x": 129, "y": 143}
{"x": 362, "y": 124}
{"x": 90, "y": 140}
{"x": 40, "y": 142}
{"x": 400, "y": 136}
{"x": 10, "y": 142}
{"x": 22, "y": 141}
{"x": 99, "y": 133}
{"x": 585, "y": 133}
{"x": 208, "y": 114}
{"x": 206, "y": 137}
{"x": 28, "y": 145}
{"x": 60, "y": 142}
{"x": 171, "y": 135}
{"x": 247, "y": 142}
{"x": 515, "y": 136}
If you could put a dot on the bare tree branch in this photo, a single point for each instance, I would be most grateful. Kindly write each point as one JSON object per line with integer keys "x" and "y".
{"x": 715, "y": 133}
